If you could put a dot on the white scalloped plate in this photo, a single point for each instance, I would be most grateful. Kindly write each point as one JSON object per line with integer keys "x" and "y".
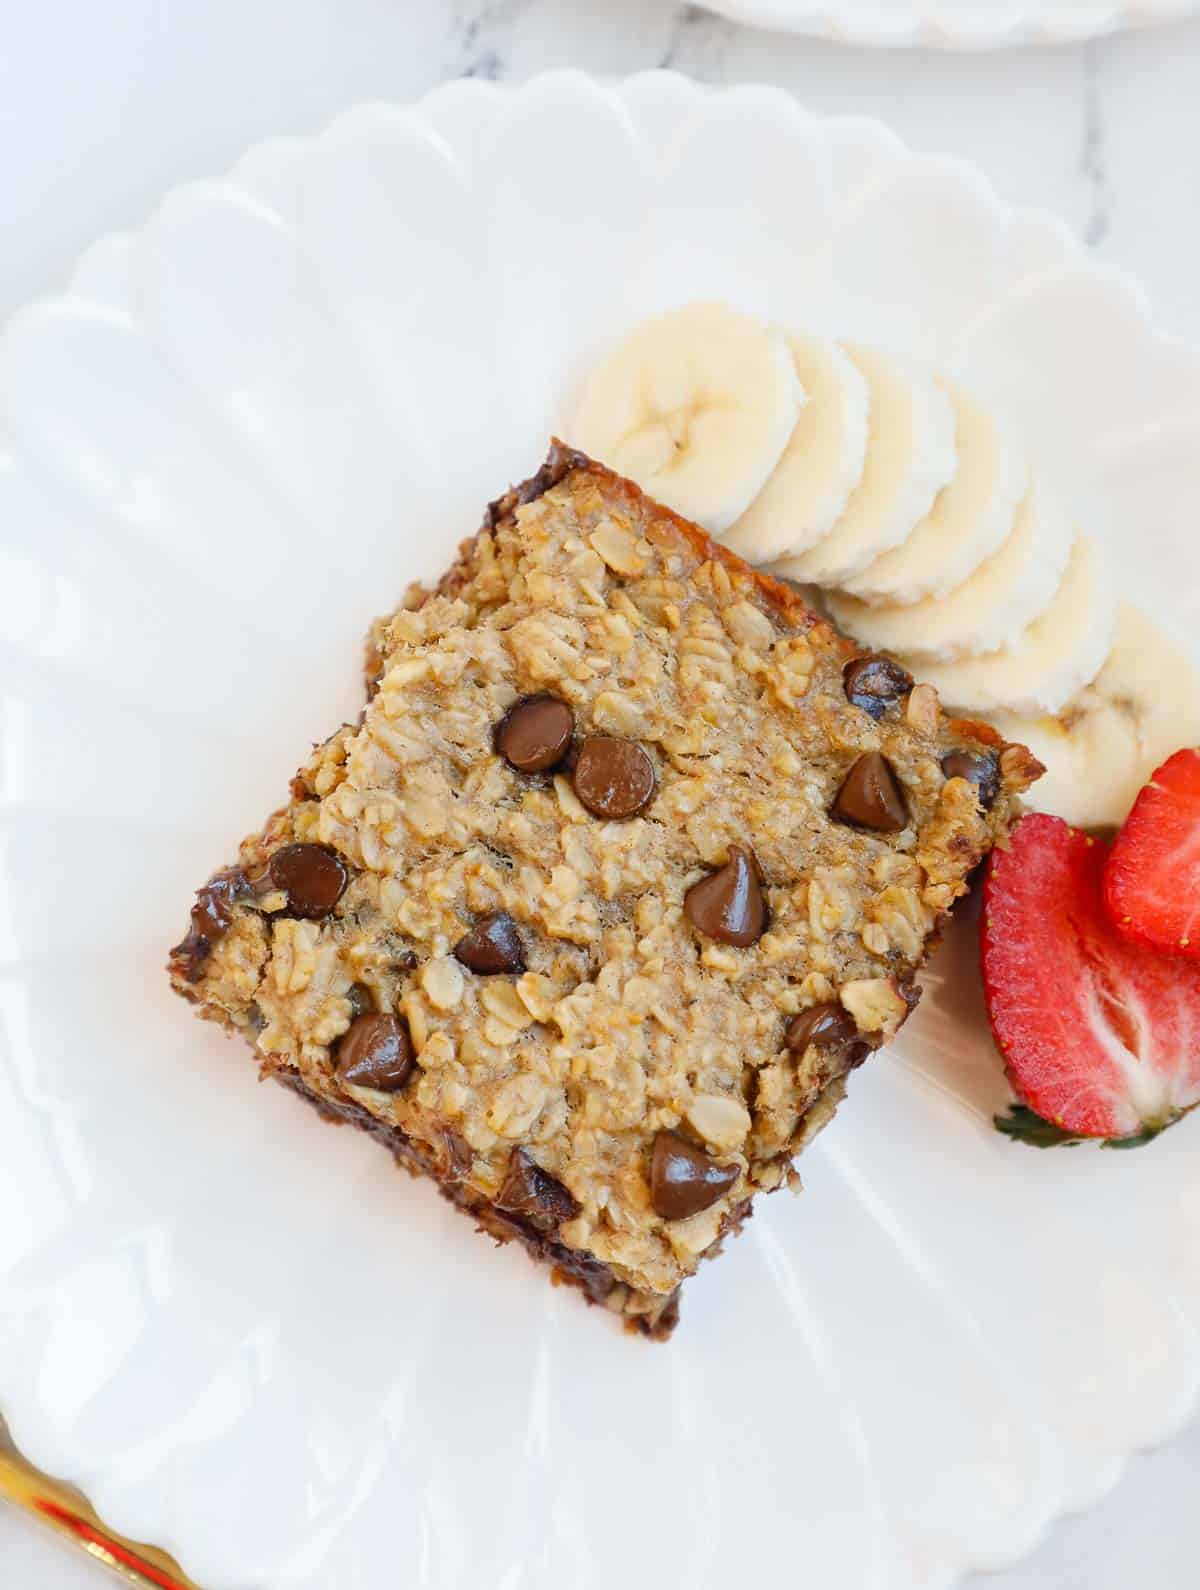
{"x": 236, "y": 437}
{"x": 952, "y": 24}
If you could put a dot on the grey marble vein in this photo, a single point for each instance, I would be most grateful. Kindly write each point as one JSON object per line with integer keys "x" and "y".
{"x": 1092, "y": 164}
{"x": 696, "y": 42}
{"x": 479, "y": 33}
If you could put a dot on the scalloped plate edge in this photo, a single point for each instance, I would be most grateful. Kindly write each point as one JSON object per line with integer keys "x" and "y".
{"x": 936, "y": 32}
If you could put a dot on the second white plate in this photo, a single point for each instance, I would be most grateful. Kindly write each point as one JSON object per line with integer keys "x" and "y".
{"x": 952, "y": 24}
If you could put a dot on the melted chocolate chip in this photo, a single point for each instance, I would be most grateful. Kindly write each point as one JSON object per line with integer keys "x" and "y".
{"x": 560, "y": 462}
{"x": 613, "y": 778}
{"x": 981, "y": 770}
{"x": 871, "y": 797}
{"x": 492, "y": 945}
{"x": 535, "y": 734}
{"x": 535, "y": 1195}
{"x": 362, "y": 1000}
{"x": 187, "y": 958}
{"x": 210, "y": 920}
{"x": 875, "y": 683}
{"x": 860, "y": 1049}
{"x": 828, "y": 1026}
{"x": 213, "y": 910}
{"x": 684, "y": 1179}
{"x": 313, "y": 877}
{"x": 405, "y": 961}
{"x": 457, "y": 1155}
{"x": 375, "y": 1052}
{"x": 728, "y": 905}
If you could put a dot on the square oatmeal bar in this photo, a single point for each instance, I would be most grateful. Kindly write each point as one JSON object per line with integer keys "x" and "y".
{"x": 629, "y": 860}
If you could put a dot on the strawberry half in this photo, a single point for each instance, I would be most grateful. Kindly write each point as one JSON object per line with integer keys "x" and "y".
{"x": 1152, "y": 880}
{"x": 1100, "y": 1036}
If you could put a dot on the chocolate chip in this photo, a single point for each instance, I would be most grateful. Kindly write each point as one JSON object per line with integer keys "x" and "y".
{"x": 531, "y": 1192}
{"x": 560, "y": 462}
{"x": 871, "y": 797}
{"x": 860, "y": 1049}
{"x": 981, "y": 770}
{"x": 213, "y": 910}
{"x": 828, "y": 1026}
{"x": 728, "y": 905}
{"x": 613, "y": 778}
{"x": 361, "y": 999}
{"x": 492, "y": 945}
{"x": 375, "y": 1052}
{"x": 536, "y": 734}
{"x": 875, "y": 683}
{"x": 313, "y": 877}
{"x": 405, "y": 961}
{"x": 684, "y": 1179}
{"x": 187, "y": 958}
{"x": 457, "y": 1155}
{"x": 210, "y": 920}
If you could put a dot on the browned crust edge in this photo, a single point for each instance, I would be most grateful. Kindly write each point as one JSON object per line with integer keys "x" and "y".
{"x": 563, "y": 460}
{"x": 568, "y": 1267}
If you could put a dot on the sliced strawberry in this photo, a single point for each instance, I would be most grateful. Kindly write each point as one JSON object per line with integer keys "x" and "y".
{"x": 1152, "y": 880}
{"x": 1100, "y": 1036}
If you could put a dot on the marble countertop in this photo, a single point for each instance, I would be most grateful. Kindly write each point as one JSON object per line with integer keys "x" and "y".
{"x": 102, "y": 107}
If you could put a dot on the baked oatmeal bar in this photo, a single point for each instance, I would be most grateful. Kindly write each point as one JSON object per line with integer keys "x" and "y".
{"x": 628, "y": 862}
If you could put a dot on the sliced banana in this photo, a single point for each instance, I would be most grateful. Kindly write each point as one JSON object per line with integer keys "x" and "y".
{"x": 697, "y": 407}
{"x": 969, "y": 520}
{"x": 1002, "y": 597}
{"x": 910, "y": 457}
{"x": 1104, "y": 744}
{"x": 822, "y": 463}
{"x": 1060, "y": 653}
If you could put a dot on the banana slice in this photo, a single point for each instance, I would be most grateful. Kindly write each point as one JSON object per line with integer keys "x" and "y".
{"x": 822, "y": 463}
{"x": 697, "y": 407}
{"x": 910, "y": 457}
{"x": 1105, "y": 743}
{"x": 1003, "y": 596}
{"x": 1057, "y": 655}
{"x": 969, "y": 520}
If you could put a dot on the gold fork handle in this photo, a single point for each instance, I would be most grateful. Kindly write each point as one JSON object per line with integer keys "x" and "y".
{"x": 64, "y": 1509}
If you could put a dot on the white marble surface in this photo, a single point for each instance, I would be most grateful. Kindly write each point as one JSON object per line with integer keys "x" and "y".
{"x": 101, "y": 107}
